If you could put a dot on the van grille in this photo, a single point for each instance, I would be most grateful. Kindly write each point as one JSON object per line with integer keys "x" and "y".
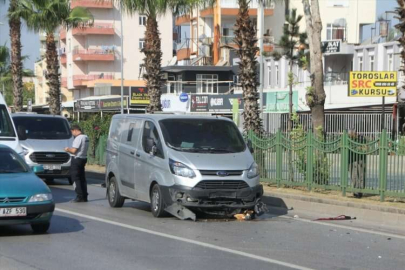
{"x": 11, "y": 199}
{"x": 49, "y": 157}
{"x": 218, "y": 184}
{"x": 214, "y": 172}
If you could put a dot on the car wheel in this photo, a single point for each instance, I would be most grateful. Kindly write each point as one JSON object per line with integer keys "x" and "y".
{"x": 40, "y": 228}
{"x": 114, "y": 197}
{"x": 70, "y": 180}
{"x": 156, "y": 201}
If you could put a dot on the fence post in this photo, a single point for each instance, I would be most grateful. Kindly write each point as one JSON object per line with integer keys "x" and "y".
{"x": 383, "y": 164}
{"x": 279, "y": 158}
{"x": 310, "y": 160}
{"x": 344, "y": 163}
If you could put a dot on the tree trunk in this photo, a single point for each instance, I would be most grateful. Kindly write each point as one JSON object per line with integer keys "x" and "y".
{"x": 52, "y": 66}
{"x": 290, "y": 84}
{"x": 16, "y": 63}
{"x": 152, "y": 60}
{"x": 316, "y": 94}
{"x": 245, "y": 38}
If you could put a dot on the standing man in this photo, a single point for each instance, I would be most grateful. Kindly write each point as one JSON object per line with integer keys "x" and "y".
{"x": 79, "y": 160}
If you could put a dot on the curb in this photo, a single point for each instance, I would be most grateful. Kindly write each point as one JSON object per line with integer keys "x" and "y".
{"x": 276, "y": 200}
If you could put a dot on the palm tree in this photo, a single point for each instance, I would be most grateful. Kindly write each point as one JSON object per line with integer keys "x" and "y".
{"x": 246, "y": 40}
{"x": 48, "y": 16}
{"x": 152, "y": 50}
{"x": 16, "y": 61}
{"x": 4, "y": 66}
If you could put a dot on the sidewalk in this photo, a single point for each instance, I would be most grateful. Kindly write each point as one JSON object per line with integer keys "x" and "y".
{"x": 326, "y": 203}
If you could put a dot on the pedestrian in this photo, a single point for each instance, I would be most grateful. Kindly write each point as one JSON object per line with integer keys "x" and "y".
{"x": 357, "y": 162}
{"x": 78, "y": 163}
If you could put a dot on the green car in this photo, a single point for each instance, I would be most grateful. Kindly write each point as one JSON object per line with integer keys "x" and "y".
{"x": 24, "y": 198}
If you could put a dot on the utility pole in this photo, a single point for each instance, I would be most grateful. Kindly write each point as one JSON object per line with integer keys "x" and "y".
{"x": 122, "y": 62}
{"x": 260, "y": 30}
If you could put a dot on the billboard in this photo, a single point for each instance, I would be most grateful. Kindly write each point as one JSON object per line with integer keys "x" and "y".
{"x": 372, "y": 84}
{"x": 224, "y": 102}
{"x": 279, "y": 102}
{"x": 174, "y": 103}
{"x": 199, "y": 103}
{"x": 332, "y": 46}
{"x": 139, "y": 96}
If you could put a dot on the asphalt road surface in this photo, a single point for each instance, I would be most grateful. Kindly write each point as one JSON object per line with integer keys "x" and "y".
{"x": 94, "y": 236}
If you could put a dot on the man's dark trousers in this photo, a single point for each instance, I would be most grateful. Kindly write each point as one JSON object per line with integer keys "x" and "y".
{"x": 77, "y": 173}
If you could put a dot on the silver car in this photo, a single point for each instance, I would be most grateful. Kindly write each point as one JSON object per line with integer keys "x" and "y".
{"x": 180, "y": 163}
{"x": 43, "y": 139}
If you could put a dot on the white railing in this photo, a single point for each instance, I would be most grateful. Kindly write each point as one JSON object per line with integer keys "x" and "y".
{"x": 253, "y": 4}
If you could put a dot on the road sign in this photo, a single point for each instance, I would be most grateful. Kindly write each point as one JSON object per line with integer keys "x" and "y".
{"x": 372, "y": 84}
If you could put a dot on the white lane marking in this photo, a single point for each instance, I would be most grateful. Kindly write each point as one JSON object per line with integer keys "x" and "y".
{"x": 232, "y": 251}
{"x": 346, "y": 227}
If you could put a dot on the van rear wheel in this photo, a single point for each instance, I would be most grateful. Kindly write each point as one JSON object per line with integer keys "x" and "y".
{"x": 113, "y": 193}
{"x": 156, "y": 201}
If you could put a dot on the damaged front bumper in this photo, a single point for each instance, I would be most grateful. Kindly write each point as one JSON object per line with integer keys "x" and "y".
{"x": 245, "y": 198}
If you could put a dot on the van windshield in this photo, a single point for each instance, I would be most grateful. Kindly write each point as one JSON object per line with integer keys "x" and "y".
{"x": 43, "y": 128}
{"x": 202, "y": 135}
{"x": 6, "y": 126}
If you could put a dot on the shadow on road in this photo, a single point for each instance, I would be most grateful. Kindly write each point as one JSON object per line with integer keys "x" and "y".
{"x": 59, "y": 224}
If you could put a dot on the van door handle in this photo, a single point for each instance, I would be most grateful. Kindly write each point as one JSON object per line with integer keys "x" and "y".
{"x": 138, "y": 155}
{"x": 132, "y": 152}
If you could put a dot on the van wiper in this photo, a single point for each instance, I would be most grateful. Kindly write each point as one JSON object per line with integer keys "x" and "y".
{"x": 182, "y": 149}
{"x": 215, "y": 150}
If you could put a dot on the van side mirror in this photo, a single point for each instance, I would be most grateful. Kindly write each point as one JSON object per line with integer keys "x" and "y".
{"x": 22, "y": 136}
{"x": 151, "y": 146}
{"x": 250, "y": 146}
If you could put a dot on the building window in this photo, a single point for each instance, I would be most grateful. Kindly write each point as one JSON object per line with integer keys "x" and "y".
{"x": 207, "y": 83}
{"x": 142, "y": 20}
{"x": 372, "y": 63}
{"x": 335, "y": 32}
{"x": 277, "y": 76}
{"x": 141, "y": 43}
{"x": 361, "y": 63}
{"x": 269, "y": 75}
{"x": 390, "y": 62}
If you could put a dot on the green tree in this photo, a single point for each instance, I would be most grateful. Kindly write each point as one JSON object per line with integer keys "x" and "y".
{"x": 293, "y": 44}
{"x": 48, "y": 16}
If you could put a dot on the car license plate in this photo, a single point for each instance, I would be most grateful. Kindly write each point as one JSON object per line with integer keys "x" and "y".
{"x": 13, "y": 212}
{"x": 52, "y": 167}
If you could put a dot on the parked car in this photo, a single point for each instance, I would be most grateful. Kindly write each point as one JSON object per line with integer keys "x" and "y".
{"x": 43, "y": 139}
{"x": 179, "y": 163}
{"x": 24, "y": 198}
{"x": 8, "y": 133}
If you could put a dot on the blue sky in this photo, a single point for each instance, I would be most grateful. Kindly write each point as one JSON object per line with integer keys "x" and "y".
{"x": 30, "y": 40}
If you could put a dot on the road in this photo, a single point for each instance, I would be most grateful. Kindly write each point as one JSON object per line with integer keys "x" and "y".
{"x": 94, "y": 236}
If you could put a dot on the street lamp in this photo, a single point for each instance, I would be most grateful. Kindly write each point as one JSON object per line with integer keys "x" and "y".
{"x": 122, "y": 62}
{"x": 2, "y": 87}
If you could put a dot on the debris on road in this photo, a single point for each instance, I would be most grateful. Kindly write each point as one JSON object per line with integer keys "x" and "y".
{"x": 180, "y": 212}
{"x": 341, "y": 217}
{"x": 247, "y": 215}
{"x": 296, "y": 216}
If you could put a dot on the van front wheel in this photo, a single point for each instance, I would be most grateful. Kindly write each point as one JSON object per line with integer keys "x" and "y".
{"x": 156, "y": 201}
{"x": 114, "y": 197}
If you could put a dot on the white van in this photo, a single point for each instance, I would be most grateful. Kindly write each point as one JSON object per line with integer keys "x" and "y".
{"x": 179, "y": 163}
{"x": 8, "y": 134}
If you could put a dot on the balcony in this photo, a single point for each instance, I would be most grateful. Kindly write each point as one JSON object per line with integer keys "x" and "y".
{"x": 92, "y": 4}
{"x": 231, "y": 8}
{"x": 64, "y": 82}
{"x": 95, "y": 29}
{"x": 93, "y": 55}
{"x": 62, "y": 34}
{"x": 183, "y": 20}
{"x": 81, "y": 80}
{"x": 63, "y": 59}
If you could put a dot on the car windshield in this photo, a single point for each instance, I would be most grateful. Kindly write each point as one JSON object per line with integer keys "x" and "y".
{"x": 202, "y": 135}
{"x": 6, "y": 126}
{"x": 43, "y": 128}
{"x": 11, "y": 162}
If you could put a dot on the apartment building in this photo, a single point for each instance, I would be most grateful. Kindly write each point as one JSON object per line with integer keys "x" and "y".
{"x": 91, "y": 56}
{"x": 208, "y": 36}
{"x": 341, "y": 19}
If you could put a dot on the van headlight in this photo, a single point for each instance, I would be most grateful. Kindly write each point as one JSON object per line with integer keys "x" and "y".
{"x": 24, "y": 152}
{"x": 41, "y": 197}
{"x": 180, "y": 169}
{"x": 253, "y": 171}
